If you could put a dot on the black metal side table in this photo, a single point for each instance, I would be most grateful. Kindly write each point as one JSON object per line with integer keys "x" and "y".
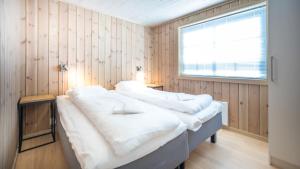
{"x": 31, "y": 100}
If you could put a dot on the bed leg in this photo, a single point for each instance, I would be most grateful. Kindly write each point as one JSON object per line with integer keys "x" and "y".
{"x": 213, "y": 138}
{"x": 182, "y": 165}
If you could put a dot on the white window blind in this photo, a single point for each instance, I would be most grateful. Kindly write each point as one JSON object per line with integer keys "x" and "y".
{"x": 229, "y": 46}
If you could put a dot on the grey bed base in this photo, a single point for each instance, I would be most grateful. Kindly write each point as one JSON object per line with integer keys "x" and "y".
{"x": 208, "y": 129}
{"x": 171, "y": 155}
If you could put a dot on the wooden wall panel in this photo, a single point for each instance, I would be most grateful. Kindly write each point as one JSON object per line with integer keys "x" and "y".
{"x": 243, "y": 106}
{"x": 88, "y": 47}
{"x": 80, "y": 60}
{"x": 53, "y": 46}
{"x": 71, "y": 45}
{"x": 107, "y": 55}
{"x": 129, "y": 51}
{"x": 102, "y": 49}
{"x": 99, "y": 49}
{"x": 124, "y": 50}
{"x": 234, "y": 105}
{"x": 119, "y": 50}
{"x": 95, "y": 48}
{"x": 247, "y": 102}
{"x": 12, "y": 52}
{"x": 31, "y": 61}
{"x": 113, "y": 55}
{"x": 43, "y": 62}
{"x": 253, "y": 112}
{"x": 263, "y": 111}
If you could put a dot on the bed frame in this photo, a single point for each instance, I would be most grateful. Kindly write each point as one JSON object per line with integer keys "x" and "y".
{"x": 208, "y": 129}
{"x": 171, "y": 155}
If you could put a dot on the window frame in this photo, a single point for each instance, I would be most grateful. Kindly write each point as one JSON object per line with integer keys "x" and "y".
{"x": 245, "y": 80}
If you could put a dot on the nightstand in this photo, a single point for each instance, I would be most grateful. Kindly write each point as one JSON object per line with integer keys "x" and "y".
{"x": 155, "y": 86}
{"x": 31, "y": 100}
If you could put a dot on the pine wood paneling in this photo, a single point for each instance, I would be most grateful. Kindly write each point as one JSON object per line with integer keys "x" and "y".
{"x": 53, "y": 47}
{"x": 72, "y": 43}
{"x": 247, "y": 102}
{"x": 95, "y": 48}
{"x": 43, "y": 62}
{"x": 63, "y": 46}
{"x": 80, "y": 46}
{"x": 31, "y": 60}
{"x": 234, "y": 105}
{"x": 243, "y": 106}
{"x": 225, "y": 92}
{"x": 107, "y": 51}
{"x": 119, "y": 50}
{"x": 113, "y": 56}
{"x": 155, "y": 57}
{"x": 218, "y": 91}
{"x": 87, "y": 47}
{"x": 12, "y": 52}
{"x": 129, "y": 51}
{"x": 99, "y": 49}
{"x": 263, "y": 111}
{"x": 102, "y": 49}
{"x": 253, "y": 113}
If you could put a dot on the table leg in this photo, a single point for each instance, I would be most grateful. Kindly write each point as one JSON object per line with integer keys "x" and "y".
{"x": 53, "y": 120}
{"x": 20, "y": 110}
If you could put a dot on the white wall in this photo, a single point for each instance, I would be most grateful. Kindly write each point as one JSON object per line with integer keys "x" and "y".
{"x": 284, "y": 92}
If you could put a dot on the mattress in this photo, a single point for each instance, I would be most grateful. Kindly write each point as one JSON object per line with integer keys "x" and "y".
{"x": 89, "y": 146}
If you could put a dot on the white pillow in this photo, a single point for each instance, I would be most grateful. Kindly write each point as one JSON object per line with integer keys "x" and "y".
{"x": 86, "y": 91}
{"x": 131, "y": 85}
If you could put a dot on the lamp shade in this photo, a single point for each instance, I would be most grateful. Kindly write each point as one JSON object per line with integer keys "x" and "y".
{"x": 140, "y": 76}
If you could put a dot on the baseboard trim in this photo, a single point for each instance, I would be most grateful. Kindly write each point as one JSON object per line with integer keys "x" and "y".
{"x": 15, "y": 160}
{"x": 261, "y": 138}
{"x": 282, "y": 164}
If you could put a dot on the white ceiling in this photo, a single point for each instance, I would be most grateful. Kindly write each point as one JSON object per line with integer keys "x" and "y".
{"x": 145, "y": 12}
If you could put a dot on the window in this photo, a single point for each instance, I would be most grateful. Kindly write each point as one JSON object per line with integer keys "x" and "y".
{"x": 232, "y": 46}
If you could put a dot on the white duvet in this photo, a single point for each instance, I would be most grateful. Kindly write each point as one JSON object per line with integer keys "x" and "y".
{"x": 124, "y": 132}
{"x": 181, "y": 102}
{"x": 91, "y": 149}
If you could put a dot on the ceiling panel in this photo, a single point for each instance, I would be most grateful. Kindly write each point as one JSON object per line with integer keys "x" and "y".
{"x": 145, "y": 12}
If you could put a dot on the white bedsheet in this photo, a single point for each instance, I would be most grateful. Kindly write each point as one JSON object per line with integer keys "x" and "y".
{"x": 125, "y": 132}
{"x": 91, "y": 149}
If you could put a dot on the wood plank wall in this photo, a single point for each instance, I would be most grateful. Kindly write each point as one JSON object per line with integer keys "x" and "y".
{"x": 247, "y": 102}
{"x": 11, "y": 43}
{"x": 99, "y": 49}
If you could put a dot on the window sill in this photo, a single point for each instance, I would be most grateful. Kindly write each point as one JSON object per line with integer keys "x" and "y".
{"x": 224, "y": 79}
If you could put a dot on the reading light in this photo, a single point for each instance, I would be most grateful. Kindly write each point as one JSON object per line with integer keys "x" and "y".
{"x": 62, "y": 67}
{"x": 139, "y": 68}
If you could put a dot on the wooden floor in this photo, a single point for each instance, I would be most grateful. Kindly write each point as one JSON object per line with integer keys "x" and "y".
{"x": 232, "y": 151}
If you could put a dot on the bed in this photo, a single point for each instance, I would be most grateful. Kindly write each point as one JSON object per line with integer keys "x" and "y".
{"x": 202, "y": 123}
{"x": 208, "y": 130}
{"x": 77, "y": 135}
{"x": 211, "y": 122}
